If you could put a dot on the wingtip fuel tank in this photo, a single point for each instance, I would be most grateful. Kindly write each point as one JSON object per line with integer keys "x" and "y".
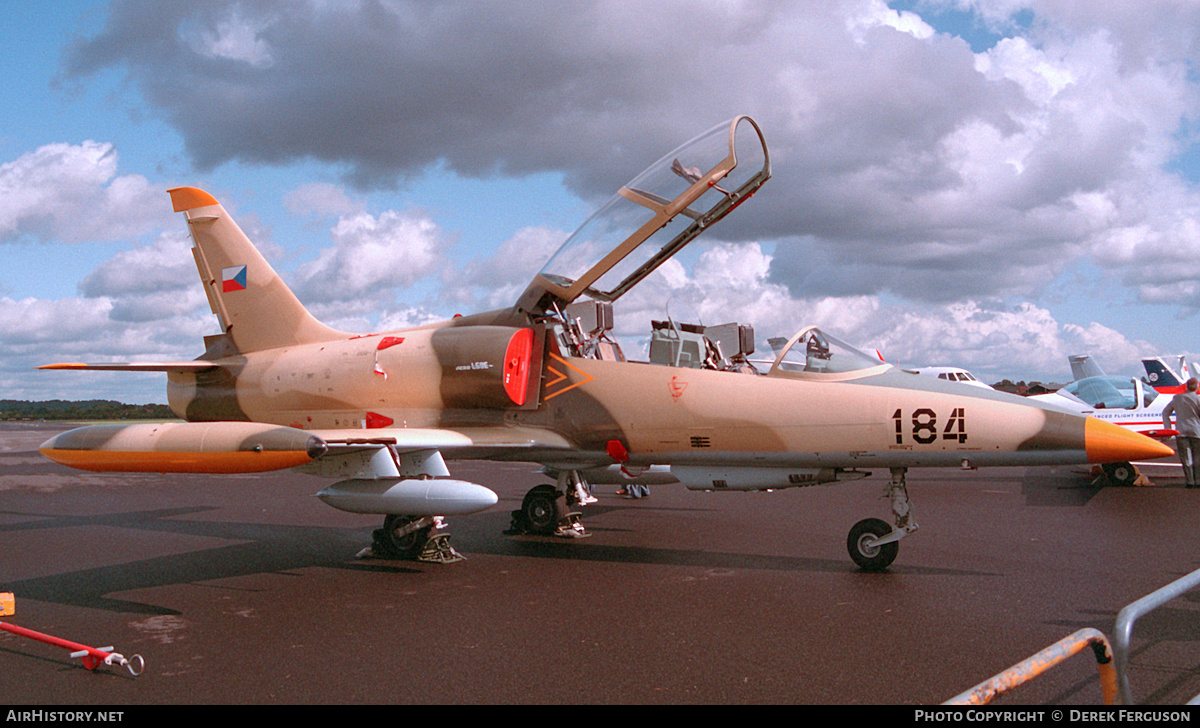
{"x": 184, "y": 447}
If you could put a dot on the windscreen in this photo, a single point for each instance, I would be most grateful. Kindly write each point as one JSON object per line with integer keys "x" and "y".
{"x": 1110, "y": 392}
{"x": 817, "y": 352}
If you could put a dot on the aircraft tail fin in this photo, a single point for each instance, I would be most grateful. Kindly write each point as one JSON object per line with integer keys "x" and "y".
{"x": 1162, "y": 377}
{"x": 1083, "y": 366}
{"x": 254, "y": 305}
{"x": 1187, "y": 369}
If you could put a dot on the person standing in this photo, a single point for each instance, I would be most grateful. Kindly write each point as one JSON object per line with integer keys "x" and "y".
{"x": 1186, "y": 407}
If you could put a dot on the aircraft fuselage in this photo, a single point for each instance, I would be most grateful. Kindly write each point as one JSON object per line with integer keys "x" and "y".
{"x": 454, "y": 376}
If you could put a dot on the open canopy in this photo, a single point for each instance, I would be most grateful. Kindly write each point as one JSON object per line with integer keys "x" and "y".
{"x": 673, "y": 201}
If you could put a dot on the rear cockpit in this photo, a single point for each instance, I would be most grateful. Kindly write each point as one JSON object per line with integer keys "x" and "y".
{"x": 584, "y": 330}
{"x": 726, "y": 347}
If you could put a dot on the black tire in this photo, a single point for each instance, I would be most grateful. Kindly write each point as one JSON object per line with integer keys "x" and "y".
{"x": 1120, "y": 473}
{"x": 393, "y": 546}
{"x": 870, "y": 557}
{"x": 540, "y": 509}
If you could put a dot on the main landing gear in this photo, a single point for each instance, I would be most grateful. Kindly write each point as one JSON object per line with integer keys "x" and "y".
{"x": 1124, "y": 474}
{"x": 549, "y": 510}
{"x": 872, "y": 543}
{"x": 414, "y": 538}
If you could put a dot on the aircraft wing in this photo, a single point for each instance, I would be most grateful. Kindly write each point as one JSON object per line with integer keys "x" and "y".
{"x": 483, "y": 443}
{"x": 386, "y": 470}
{"x": 243, "y": 447}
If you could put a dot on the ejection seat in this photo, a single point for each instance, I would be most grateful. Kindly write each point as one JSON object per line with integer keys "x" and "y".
{"x": 585, "y": 332}
{"x": 724, "y": 347}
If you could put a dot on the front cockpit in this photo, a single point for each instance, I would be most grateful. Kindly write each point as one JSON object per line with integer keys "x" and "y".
{"x": 812, "y": 352}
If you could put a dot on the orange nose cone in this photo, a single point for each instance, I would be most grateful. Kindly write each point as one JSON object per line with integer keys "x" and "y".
{"x": 1108, "y": 443}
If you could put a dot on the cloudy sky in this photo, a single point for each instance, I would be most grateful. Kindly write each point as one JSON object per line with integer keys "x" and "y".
{"x": 993, "y": 184}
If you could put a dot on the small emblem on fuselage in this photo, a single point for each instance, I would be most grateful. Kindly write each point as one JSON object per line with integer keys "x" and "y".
{"x": 473, "y": 366}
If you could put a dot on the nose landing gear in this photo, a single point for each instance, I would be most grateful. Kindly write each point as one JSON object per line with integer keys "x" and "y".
{"x": 872, "y": 543}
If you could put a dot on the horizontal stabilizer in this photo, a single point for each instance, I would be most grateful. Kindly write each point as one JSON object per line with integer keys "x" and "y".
{"x": 137, "y": 366}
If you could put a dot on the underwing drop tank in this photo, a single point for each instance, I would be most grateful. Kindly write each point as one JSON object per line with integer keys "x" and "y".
{"x": 409, "y": 496}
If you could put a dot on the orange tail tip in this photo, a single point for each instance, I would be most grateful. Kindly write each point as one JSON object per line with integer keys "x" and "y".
{"x": 1108, "y": 443}
{"x": 189, "y": 198}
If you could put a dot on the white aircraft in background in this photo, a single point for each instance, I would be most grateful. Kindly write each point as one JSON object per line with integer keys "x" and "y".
{"x": 947, "y": 374}
{"x": 950, "y": 374}
{"x": 1124, "y": 401}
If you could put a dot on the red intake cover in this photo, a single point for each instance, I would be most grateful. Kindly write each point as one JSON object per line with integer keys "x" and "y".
{"x": 516, "y": 365}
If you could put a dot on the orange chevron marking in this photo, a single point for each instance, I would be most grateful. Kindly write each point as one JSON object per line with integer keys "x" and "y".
{"x": 562, "y": 377}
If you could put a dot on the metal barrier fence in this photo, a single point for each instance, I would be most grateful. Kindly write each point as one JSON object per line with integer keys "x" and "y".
{"x": 1030, "y": 668}
{"x": 1112, "y": 660}
{"x": 1123, "y": 629}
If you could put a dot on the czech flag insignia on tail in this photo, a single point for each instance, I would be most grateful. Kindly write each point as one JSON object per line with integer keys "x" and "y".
{"x": 233, "y": 279}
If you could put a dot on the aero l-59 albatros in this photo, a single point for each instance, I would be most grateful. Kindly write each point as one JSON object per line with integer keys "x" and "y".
{"x": 544, "y": 381}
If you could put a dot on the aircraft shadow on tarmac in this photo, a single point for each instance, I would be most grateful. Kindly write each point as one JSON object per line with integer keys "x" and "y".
{"x": 1166, "y": 624}
{"x": 259, "y": 548}
{"x": 1048, "y": 488}
{"x": 273, "y": 548}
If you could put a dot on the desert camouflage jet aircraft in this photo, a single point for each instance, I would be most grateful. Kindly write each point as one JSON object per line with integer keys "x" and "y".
{"x": 544, "y": 382}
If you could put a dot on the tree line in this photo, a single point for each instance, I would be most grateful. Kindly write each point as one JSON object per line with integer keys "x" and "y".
{"x": 93, "y": 409}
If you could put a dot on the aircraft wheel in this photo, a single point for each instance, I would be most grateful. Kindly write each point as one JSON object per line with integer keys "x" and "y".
{"x": 394, "y": 546}
{"x": 867, "y": 555}
{"x": 1120, "y": 473}
{"x": 540, "y": 509}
